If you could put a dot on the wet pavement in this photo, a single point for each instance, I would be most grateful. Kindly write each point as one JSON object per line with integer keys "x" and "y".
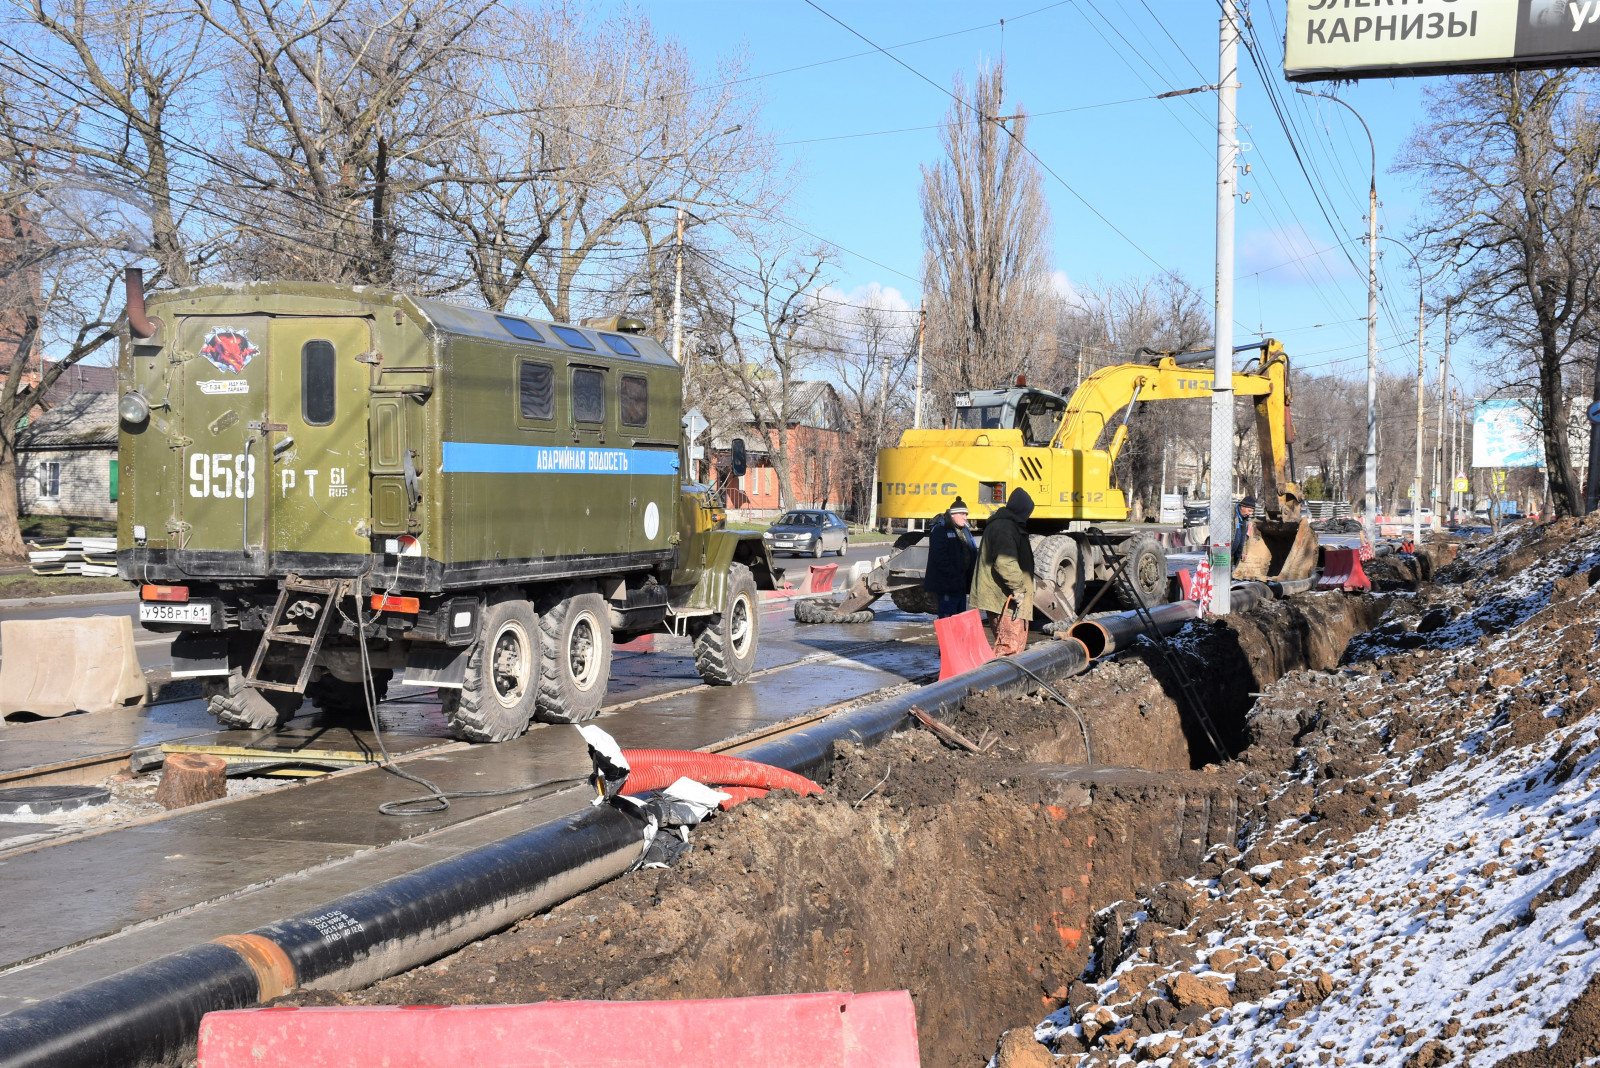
{"x": 85, "y": 905}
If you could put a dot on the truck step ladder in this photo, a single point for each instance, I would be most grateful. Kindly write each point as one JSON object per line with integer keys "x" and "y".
{"x": 281, "y": 632}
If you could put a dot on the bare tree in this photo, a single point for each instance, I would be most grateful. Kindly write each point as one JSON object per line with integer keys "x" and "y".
{"x": 985, "y": 236}
{"x": 1510, "y": 161}
{"x": 867, "y": 349}
{"x": 758, "y": 343}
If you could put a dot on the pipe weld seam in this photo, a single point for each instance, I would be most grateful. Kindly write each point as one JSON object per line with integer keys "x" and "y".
{"x": 274, "y": 970}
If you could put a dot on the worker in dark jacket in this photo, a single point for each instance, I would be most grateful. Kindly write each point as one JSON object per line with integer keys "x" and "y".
{"x": 1005, "y": 562}
{"x": 1242, "y": 514}
{"x": 951, "y": 555}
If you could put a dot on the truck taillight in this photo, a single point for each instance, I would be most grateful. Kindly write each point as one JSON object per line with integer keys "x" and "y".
{"x": 384, "y": 603}
{"x": 992, "y": 492}
{"x": 179, "y": 594}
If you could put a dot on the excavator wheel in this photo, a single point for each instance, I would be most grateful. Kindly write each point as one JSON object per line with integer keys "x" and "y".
{"x": 1144, "y": 579}
{"x": 915, "y": 600}
{"x": 1055, "y": 563}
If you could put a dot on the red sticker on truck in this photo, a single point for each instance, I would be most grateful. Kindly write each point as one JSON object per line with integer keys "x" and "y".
{"x": 228, "y": 348}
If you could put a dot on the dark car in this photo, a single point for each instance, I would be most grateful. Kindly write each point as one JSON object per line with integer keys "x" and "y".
{"x": 808, "y": 533}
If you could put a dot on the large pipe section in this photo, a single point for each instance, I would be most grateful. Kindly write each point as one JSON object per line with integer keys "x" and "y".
{"x": 1107, "y": 634}
{"x": 152, "y": 1012}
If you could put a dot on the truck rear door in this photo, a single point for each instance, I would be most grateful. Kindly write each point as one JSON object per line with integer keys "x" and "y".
{"x": 316, "y": 434}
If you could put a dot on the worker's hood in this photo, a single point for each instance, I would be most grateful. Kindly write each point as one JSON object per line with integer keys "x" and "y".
{"x": 1020, "y": 504}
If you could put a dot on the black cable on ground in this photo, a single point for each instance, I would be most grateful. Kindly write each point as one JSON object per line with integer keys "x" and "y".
{"x": 435, "y": 800}
{"x": 1088, "y": 755}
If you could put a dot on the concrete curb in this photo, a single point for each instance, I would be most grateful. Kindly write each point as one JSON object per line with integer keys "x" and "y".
{"x": 68, "y": 599}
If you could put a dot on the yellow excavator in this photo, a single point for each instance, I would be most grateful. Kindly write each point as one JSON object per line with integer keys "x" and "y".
{"x": 1061, "y": 451}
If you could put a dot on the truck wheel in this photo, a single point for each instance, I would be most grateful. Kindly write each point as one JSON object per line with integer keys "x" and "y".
{"x": 725, "y": 644}
{"x": 1144, "y": 579}
{"x": 337, "y": 697}
{"x": 243, "y": 708}
{"x": 574, "y": 656}
{"x": 915, "y": 600}
{"x": 1055, "y": 561}
{"x": 497, "y": 695}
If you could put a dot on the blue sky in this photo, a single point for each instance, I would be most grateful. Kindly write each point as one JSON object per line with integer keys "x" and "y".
{"x": 1147, "y": 166}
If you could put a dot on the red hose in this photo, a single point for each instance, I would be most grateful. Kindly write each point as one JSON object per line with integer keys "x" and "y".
{"x": 654, "y": 769}
{"x": 737, "y": 794}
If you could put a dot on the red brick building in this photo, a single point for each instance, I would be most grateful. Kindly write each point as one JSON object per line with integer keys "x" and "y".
{"x": 818, "y": 444}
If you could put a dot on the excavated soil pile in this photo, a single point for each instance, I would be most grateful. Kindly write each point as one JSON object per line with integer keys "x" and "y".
{"x": 972, "y": 880}
{"x": 1420, "y": 877}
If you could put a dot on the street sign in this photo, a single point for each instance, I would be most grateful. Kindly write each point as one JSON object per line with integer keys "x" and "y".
{"x": 1411, "y": 491}
{"x": 694, "y": 424}
{"x": 1327, "y": 39}
{"x": 1434, "y": 493}
{"x": 1462, "y": 485}
{"x": 1594, "y": 412}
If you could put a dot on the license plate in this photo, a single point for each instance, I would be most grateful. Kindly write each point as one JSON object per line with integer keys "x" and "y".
{"x": 174, "y": 613}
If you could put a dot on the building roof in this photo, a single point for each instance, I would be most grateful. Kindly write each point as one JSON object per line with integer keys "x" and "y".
{"x": 84, "y": 420}
{"x": 812, "y": 403}
{"x": 82, "y": 378}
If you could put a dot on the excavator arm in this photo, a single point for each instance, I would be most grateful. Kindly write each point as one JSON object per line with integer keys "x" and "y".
{"x": 1113, "y": 390}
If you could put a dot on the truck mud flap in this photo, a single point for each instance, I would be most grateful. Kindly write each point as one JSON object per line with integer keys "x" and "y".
{"x": 443, "y": 666}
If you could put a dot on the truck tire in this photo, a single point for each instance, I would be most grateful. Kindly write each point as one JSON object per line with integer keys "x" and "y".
{"x": 1144, "y": 579}
{"x": 243, "y": 708}
{"x": 574, "y": 656}
{"x": 337, "y": 697}
{"x": 1055, "y": 560}
{"x": 915, "y": 600}
{"x": 826, "y": 610}
{"x": 725, "y": 644}
{"x": 498, "y": 692}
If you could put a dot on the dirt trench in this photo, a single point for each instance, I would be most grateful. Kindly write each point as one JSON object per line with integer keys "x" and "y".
{"x": 971, "y": 880}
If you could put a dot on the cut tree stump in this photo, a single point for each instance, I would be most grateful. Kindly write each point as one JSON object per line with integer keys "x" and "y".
{"x": 190, "y": 778}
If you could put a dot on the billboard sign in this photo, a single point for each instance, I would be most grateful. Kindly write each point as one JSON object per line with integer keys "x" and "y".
{"x": 1376, "y": 39}
{"x": 1505, "y": 433}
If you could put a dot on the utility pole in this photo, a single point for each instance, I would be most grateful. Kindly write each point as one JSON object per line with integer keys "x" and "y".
{"x": 1368, "y": 527}
{"x": 1422, "y": 408}
{"x": 677, "y": 300}
{"x": 1440, "y": 495}
{"x": 883, "y": 411}
{"x": 1221, "y": 536}
{"x": 922, "y": 325}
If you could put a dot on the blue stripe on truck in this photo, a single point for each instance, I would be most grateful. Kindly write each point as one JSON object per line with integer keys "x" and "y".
{"x": 487, "y": 458}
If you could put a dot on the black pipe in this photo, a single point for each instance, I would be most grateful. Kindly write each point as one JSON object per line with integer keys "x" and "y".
{"x": 1290, "y": 587}
{"x": 809, "y": 750}
{"x": 152, "y": 1012}
{"x": 1107, "y": 634}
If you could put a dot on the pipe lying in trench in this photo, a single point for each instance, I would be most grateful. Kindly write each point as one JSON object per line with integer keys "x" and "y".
{"x": 1104, "y": 636}
{"x": 152, "y": 1012}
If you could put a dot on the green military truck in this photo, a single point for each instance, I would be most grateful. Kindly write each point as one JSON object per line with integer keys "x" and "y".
{"x": 323, "y": 484}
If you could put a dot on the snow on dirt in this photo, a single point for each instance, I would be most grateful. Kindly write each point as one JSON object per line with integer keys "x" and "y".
{"x": 1420, "y": 885}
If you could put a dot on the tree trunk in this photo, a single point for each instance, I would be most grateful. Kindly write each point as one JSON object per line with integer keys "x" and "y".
{"x": 11, "y": 545}
{"x": 190, "y": 778}
{"x": 1564, "y": 495}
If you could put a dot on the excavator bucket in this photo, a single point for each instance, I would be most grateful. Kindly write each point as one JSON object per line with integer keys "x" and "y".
{"x": 1278, "y": 551}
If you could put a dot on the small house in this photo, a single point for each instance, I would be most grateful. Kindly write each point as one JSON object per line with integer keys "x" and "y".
{"x": 67, "y": 458}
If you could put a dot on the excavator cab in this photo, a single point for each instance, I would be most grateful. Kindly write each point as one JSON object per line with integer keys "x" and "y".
{"x": 1035, "y": 412}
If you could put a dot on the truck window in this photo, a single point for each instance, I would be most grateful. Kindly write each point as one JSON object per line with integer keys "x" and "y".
{"x": 588, "y": 395}
{"x": 619, "y": 345}
{"x": 536, "y": 390}
{"x": 1041, "y": 422}
{"x": 573, "y": 338}
{"x": 518, "y": 329}
{"x": 634, "y": 400}
{"x": 317, "y": 395}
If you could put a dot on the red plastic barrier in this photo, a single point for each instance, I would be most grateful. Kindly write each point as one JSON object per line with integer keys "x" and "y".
{"x": 820, "y": 578}
{"x": 789, "y": 1031}
{"x": 1185, "y": 582}
{"x": 644, "y": 643}
{"x": 653, "y": 769}
{"x": 963, "y": 645}
{"x": 1341, "y": 569}
{"x": 737, "y": 794}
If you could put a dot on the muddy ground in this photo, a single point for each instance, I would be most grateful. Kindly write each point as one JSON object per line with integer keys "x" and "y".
{"x": 972, "y": 880}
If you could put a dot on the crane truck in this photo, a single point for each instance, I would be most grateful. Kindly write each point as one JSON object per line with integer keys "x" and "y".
{"x": 1062, "y": 451}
